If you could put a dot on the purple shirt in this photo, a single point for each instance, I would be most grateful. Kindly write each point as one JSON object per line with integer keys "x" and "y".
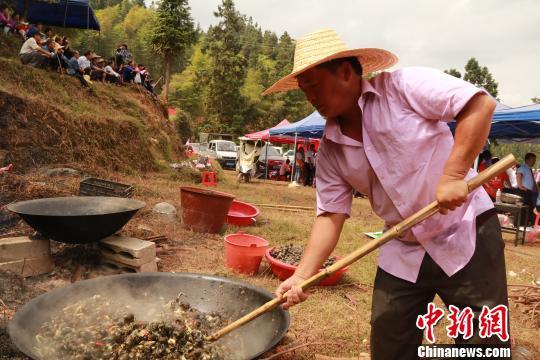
{"x": 405, "y": 146}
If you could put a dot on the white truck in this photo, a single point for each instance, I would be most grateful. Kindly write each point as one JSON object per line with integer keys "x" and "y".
{"x": 224, "y": 151}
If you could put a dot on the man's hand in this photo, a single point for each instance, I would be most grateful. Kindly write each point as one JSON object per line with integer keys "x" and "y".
{"x": 451, "y": 193}
{"x": 296, "y": 295}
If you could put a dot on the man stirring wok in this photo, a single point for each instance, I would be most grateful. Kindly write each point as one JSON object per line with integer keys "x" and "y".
{"x": 387, "y": 137}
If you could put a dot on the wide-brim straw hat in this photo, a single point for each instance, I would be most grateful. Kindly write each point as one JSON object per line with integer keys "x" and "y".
{"x": 325, "y": 45}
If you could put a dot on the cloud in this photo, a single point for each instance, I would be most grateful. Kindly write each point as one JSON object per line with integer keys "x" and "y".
{"x": 501, "y": 34}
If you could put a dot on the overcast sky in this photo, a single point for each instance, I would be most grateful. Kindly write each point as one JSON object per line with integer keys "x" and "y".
{"x": 503, "y": 35}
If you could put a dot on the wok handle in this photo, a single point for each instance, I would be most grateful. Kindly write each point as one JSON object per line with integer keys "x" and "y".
{"x": 393, "y": 232}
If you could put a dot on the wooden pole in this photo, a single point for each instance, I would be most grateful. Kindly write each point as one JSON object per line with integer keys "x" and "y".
{"x": 285, "y": 206}
{"x": 395, "y": 231}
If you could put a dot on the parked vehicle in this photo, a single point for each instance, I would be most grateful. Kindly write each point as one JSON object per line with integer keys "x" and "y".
{"x": 289, "y": 154}
{"x": 224, "y": 151}
{"x": 279, "y": 149}
{"x": 274, "y": 163}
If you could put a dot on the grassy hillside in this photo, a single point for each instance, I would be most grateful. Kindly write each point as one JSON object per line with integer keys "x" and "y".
{"x": 48, "y": 118}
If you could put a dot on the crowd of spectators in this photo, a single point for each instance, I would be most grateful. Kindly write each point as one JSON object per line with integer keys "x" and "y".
{"x": 41, "y": 48}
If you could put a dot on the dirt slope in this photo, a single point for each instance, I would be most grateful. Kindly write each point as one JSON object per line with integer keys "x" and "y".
{"x": 47, "y": 118}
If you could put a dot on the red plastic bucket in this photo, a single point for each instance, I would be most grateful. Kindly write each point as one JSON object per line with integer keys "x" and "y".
{"x": 242, "y": 214}
{"x": 243, "y": 252}
{"x": 204, "y": 210}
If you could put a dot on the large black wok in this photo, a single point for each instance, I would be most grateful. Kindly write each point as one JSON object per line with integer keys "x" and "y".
{"x": 231, "y": 298}
{"x": 78, "y": 219}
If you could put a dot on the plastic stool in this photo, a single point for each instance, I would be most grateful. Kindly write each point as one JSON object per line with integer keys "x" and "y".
{"x": 209, "y": 178}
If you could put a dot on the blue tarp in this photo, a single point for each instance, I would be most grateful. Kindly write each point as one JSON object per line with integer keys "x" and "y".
{"x": 521, "y": 124}
{"x": 65, "y": 13}
{"x": 309, "y": 127}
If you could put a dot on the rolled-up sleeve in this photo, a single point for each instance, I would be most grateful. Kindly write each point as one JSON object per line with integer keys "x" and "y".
{"x": 334, "y": 194}
{"x": 433, "y": 94}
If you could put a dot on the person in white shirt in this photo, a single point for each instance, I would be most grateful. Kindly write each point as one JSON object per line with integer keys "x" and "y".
{"x": 84, "y": 62}
{"x": 511, "y": 183}
{"x": 112, "y": 76}
{"x": 32, "y": 54}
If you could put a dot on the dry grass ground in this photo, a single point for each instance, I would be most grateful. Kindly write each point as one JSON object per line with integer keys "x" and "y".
{"x": 335, "y": 320}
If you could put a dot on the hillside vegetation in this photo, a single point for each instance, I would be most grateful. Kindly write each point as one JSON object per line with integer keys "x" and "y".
{"x": 48, "y": 118}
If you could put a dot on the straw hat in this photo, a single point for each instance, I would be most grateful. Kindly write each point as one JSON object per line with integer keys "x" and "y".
{"x": 325, "y": 45}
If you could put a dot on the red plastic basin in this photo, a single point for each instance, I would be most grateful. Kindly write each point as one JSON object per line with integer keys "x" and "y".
{"x": 244, "y": 252}
{"x": 242, "y": 214}
{"x": 283, "y": 271}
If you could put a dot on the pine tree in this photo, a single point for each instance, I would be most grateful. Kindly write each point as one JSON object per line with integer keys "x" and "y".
{"x": 172, "y": 34}
{"x": 227, "y": 71}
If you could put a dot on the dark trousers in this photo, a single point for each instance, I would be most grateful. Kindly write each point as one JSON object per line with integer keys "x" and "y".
{"x": 397, "y": 303}
{"x": 308, "y": 174}
{"x": 529, "y": 199}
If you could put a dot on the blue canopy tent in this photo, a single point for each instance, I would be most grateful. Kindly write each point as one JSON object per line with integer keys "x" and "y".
{"x": 514, "y": 125}
{"x": 66, "y": 13}
{"x": 311, "y": 126}
{"x": 521, "y": 124}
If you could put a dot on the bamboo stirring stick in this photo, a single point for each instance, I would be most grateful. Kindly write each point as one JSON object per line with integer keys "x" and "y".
{"x": 395, "y": 231}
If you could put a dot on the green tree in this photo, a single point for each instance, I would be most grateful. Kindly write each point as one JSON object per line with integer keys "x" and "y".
{"x": 453, "y": 72}
{"x": 480, "y": 76}
{"x": 187, "y": 92}
{"x": 536, "y": 100}
{"x": 251, "y": 40}
{"x": 224, "y": 102}
{"x": 269, "y": 44}
{"x": 102, "y": 4}
{"x": 172, "y": 34}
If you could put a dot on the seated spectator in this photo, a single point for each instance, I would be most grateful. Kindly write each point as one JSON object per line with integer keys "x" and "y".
{"x": 141, "y": 73}
{"x": 32, "y": 54}
{"x": 48, "y": 34}
{"x": 21, "y": 26}
{"x": 285, "y": 169}
{"x": 111, "y": 75}
{"x": 63, "y": 41}
{"x": 72, "y": 66}
{"x": 129, "y": 72}
{"x": 57, "y": 63}
{"x": 6, "y": 23}
{"x": 84, "y": 62}
{"x": 97, "y": 72}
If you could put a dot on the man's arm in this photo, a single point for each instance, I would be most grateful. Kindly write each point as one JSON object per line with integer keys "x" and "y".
{"x": 472, "y": 130}
{"x": 322, "y": 241}
{"x": 519, "y": 178}
{"x": 43, "y": 51}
